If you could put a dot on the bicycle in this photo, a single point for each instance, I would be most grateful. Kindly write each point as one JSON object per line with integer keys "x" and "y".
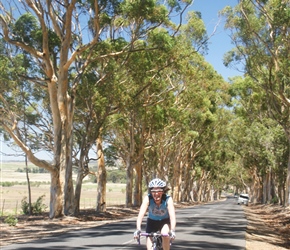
{"x": 156, "y": 239}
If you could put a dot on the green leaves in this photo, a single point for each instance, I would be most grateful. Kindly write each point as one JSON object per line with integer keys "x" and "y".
{"x": 259, "y": 31}
{"x": 25, "y": 27}
{"x": 146, "y": 10}
{"x": 195, "y": 29}
{"x": 161, "y": 39}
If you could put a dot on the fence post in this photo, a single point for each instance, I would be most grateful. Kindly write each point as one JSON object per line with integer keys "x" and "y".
{"x": 2, "y": 212}
{"x": 16, "y": 208}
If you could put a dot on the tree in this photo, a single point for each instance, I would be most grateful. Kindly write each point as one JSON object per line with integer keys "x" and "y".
{"x": 59, "y": 54}
{"x": 260, "y": 33}
{"x": 258, "y": 142}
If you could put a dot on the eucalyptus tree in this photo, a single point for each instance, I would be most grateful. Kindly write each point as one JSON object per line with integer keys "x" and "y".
{"x": 258, "y": 142}
{"x": 261, "y": 158}
{"x": 260, "y": 32}
{"x": 139, "y": 115}
{"x": 156, "y": 164}
{"x": 16, "y": 98}
{"x": 99, "y": 95}
{"x": 187, "y": 118}
{"x": 192, "y": 120}
{"x": 202, "y": 102}
{"x": 202, "y": 130}
{"x": 62, "y": 47}
{"x": 148, "y": 113}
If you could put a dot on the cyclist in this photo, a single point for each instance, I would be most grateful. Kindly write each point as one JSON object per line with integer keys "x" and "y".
{"x": 161, "y": 216}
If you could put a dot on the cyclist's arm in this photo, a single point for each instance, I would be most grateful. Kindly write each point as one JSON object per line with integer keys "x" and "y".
{"x": 142, "y": 212}
{"x": 171, "y": 211}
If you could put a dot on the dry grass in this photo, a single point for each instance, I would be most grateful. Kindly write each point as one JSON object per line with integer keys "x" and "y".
{"x": 11, "y": 196}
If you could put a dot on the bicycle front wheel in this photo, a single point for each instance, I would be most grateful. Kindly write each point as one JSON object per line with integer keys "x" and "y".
{"x": 159, "y": 244}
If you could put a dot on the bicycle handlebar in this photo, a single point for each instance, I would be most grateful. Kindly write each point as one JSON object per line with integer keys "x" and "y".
{"x": 155, "y": 234}
{"x": 152, "y": 234}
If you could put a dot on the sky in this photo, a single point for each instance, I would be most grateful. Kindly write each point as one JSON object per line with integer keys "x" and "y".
{"x": 218, "y": 45}
{"x": 220, "y": 42}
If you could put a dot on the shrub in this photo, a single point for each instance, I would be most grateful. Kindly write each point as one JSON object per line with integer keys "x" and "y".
{"x": 7, "y": 184}
{"x": 32, "y": 170}
{"x": 117, "y": 176}
{"x": 11, "y": 220}
{"x": 92, "y": 178}
{"x": 36, "y": 208}
{"x": 274, "y": 200}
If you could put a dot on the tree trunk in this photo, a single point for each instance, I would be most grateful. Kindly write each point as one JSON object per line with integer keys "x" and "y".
{"x": 194, "y": 191}
{"x": 67, "y": 184}
{"x": 102, "y": 177}
{"x": 129, "y": 185}
{"x": 129, "y": 162}
{"x": 287, "y": 189}
{"x": 185, "y": 195}
{"x": 138, "y": 186}
{"x": 264, "y": 199}
{"x": 78, "y": 190}
{"x": 201, "y": 186}
{"x": 256, "y": 187}
{"x": 69, "y": 205}
{"x": 177, "y": 181}
{"x": 139, "y": 170}
{"x": 56, "y": 196}
{"x": 198, "y": 190}
{"x": 67, "y": 112}
{"x": 208, "y": 191}
{"x": 28, "y": 186}
{"x": 83, "y": 171}
{"x": 269, "y": 185}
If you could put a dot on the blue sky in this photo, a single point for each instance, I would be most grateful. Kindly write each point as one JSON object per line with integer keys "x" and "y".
{"x": 218, "y": 45}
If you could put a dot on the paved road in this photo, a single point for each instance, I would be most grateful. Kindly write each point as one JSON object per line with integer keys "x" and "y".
{"x": 219, "y": 225}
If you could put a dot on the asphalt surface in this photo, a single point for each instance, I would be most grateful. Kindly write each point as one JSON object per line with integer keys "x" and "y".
{"x": 217, "y": 225}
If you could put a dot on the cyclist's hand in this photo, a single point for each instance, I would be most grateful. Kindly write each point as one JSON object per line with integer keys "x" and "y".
{"x": 172, "y": 234}
{"x": 137, "y": 234}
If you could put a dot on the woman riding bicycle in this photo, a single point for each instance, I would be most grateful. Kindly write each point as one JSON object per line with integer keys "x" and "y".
{"x": 161, "y": 216}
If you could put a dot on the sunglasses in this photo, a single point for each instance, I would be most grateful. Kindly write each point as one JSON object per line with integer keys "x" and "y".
{"x": 156, "y": 191}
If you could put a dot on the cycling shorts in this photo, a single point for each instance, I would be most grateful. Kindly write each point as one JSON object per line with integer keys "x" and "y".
{"x": 156, "y": 225}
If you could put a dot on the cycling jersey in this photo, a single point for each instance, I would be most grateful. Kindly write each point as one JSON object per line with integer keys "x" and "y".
{"x": 156, "y": 212}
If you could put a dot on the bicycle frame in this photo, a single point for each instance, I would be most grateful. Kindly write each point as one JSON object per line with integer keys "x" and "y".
{"x": 156, "y": 239}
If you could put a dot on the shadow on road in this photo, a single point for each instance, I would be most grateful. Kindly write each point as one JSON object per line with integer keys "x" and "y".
{"x": 216, "y": 226}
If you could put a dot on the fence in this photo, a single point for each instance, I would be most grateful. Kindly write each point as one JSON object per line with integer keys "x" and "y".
{"x": 11, "y": 197}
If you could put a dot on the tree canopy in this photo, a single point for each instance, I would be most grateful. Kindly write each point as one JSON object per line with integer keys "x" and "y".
{"x": 123, "y": 79}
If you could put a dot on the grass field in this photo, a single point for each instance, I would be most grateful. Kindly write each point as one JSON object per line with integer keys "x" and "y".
{"x": 11, "y": 196}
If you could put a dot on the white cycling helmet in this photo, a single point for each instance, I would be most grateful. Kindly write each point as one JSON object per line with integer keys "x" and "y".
{"x": 157, "y": 183}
